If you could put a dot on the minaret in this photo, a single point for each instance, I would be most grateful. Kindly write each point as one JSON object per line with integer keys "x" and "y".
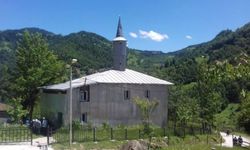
{"x": 120, "y": 49}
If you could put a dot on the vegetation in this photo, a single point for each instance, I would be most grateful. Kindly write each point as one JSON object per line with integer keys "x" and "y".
{"x": 208, "y": 76}
{"x": 146, "y": 108}
{"x": 36, "y": 67}
{"x": 227, "y": 119}
{"x": 200, "y": 142}
{"x": 244, "y": 117}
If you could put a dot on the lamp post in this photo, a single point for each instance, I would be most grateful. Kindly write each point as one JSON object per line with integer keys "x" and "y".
{"x": 70, "y": 102}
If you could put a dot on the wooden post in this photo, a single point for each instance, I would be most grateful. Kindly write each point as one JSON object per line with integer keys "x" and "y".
{"x": 221, "y": 141}
{"x": 73, "y": 134}
{"x": 207, "y": 138}
{"x": 168, "y": 139}
{"x": 126, "y": 134}
{"x": 8, "y": 134}
{"x": 164, "y": 131}
{"x": 94, "y": 134}
{"x": 139, "y": 134}
{"x": 31, "y": 137}
{"x": 47, "y": 135}
{"x": 111, "y": 133}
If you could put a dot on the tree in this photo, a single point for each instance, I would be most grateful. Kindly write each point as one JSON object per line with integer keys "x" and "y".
{"x": 208, "y": 93}
{"x": 183, "y": 108}
{"x": 146, "y": 108}
{"x": 244, "y": 117}
{"x": 5, "y": 82}
{"x": 36, "y": 67}
{"x": 17, "y": 111}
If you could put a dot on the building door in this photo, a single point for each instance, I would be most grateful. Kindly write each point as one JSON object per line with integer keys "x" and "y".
{"x": 59, "y": 119}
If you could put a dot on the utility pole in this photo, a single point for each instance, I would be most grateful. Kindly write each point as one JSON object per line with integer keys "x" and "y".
{"x": 70, "y": 101}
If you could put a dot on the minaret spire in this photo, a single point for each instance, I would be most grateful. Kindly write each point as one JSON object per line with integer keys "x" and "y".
{"x": 119, "y": 29}
{"x": 120, "y": 49}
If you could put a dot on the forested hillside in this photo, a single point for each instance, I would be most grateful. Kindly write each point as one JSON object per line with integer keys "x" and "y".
{"x": 208, "y": 76}
{"x": 92, "y": 51}
{"x": 230, "y": 46}
{"x": 95, "y": 52}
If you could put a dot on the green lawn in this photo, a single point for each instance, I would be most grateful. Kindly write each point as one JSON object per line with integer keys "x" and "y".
{"x": 227, "y": 119}
{"x": 16, "y": 134}
{"x": 90, "y": 145}
{"x": 84, "y": 139}
{"x": 115, "y": 145}
{"x": 200, "y": 142}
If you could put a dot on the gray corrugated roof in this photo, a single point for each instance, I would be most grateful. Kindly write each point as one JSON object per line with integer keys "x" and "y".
{"x": 111, "y": 76}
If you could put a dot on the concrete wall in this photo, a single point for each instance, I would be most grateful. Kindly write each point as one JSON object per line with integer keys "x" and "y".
{"x": 54, "y": 103}
{"x": 107, "y": 104}
{"x": 120, "y": 55}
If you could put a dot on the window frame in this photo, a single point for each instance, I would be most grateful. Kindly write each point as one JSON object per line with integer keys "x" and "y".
{"x": 147, "y": 94}
{"x": 127, "y": 95}
{"x": 85, "y": 117}
{"x": 84, "y": 94}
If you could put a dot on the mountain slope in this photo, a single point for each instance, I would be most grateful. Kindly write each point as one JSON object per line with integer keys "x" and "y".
{"x": 95, "y": 52}
{"x": 92, "y": 51}
{"x": 227, "y": 45}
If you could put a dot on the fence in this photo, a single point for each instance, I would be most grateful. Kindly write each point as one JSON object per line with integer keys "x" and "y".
{"x": 85, "y": 134}
{"x": 13, "y": 135}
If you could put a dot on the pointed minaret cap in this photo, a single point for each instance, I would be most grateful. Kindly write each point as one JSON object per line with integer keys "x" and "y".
{"x": 119, "y": 29}
{"x": 119, "y": 33}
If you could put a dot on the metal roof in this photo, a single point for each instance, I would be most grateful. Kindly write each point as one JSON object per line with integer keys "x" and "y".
{"x": 111, "y": 76}
{"x": 119, "y": 39}
{"x": 119, "y": 29}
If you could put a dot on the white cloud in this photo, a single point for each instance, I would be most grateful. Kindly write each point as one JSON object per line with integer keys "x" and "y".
{"x": 132, "y": 34}
{"x": 153, "y": 35}
{"x": 188, "y": 37}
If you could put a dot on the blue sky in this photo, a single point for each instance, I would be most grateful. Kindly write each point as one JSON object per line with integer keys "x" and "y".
{"x": 165, "y": 25}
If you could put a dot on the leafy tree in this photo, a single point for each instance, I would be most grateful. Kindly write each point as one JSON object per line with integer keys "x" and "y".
{"x": 36, "y": 67}
{"x": 244, "y": 117}
{"x": 208, "y": 93}
{"x": 5, "y": 82}
{"x": 146, "y": 108}
{"x": 17, "y": 111}
{"x": 183, "y": 108}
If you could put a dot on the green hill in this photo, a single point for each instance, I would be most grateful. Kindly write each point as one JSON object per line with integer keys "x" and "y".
{"x": 225, "y": 46}
{"x": 230, "y": 46}
{"x": 92, "y": 51}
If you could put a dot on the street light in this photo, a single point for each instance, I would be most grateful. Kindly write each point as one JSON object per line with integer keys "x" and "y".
{"x": 70, "y": 102}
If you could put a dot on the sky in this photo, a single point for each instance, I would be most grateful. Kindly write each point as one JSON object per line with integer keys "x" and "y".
{"x": 162, "y": 25}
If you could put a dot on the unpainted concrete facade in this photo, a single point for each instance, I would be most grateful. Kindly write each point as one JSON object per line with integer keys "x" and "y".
{"x": 107, "y": 103}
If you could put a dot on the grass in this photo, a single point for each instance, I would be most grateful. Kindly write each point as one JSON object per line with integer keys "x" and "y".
{"x": 200, "y": 142}
{"x": 227, "y": 119}
{"x": 84, "y": 139}
{"x": 102, "y": 134}
{"x": 16, "y": 134}
{"x": 90, "y": 145}
{"x": 176, "y": 143}
{"x": 199, "y": 146}
{"x": 246, "y": 135}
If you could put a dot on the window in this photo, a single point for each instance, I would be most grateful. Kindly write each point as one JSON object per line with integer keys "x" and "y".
{"x": 147, "y": 94}
{"x": 126, "y": 94}
{"x": 84, "y": 96}
{"x": 84, "y": 117}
